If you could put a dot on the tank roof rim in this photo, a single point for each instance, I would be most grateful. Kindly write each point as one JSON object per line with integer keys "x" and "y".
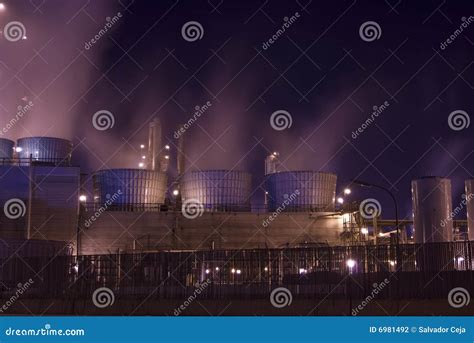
{"x": 303, "y": 171}
{"x": 128, "y": 169}
{"x": 44, "y": 137}
{"x": 431, "y": 178}
{"x": 217, "y": 170}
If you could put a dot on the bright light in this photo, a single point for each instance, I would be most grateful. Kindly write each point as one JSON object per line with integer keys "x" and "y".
{"x": 275, "y": 153}
{"x": 82, "y": 198}
{"x": 207, "y": 271}
{"x": 265, "y": 269}
{"x": 142, "y": 146}
{"x": 143, "y": 157}
{"x": 351, "y": 263}
{"x": 167, "y": 147}
{"x": 392, "y": 263}
{"x": 460, "y": 259}
{"x": 232, "y": 271}
{"x": 18, "y": 149}
{"x": 340, "y": 200}
{"x": 175, "y": 192}
{"x": 238, "y": 271}
{"x": 347, "y": 191}
{"x": 141, "y": 165}
{"x": 364, "y": 231}
{"x": 75, "y": 267}
{"x": 2, "y": 6}
{"x": 303, "y": 271}
{"x": 217, "y": 269}
{"x": 167, "y": 157}
{"x": 24, "y": 37}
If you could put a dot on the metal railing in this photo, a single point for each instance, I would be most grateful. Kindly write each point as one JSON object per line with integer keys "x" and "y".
{"x": 159, "y": 207}
{"x": 426, "y": 271}
{"x": 25, "y": 162}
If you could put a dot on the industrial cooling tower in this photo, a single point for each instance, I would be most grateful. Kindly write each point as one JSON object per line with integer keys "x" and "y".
{"x": 45, "y": 149}
{"x": 129, "y": 188}
{"x": 301, "y": 191}
{"x": 6, "y": 149}
{"x": 470, "y": 208}
{"x": 432, "y": 207}
{"x": 218, "y": 190}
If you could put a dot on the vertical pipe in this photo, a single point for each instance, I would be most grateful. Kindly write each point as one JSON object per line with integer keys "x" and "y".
{"x": 470, "y": 208}
{"x": 154, "y": 144}
{"x": 30, "y": 200}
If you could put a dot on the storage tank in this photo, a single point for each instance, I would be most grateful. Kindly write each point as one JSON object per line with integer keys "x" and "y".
{"x": 432, "y": 207}
{"x": 470, "y": 208}
{"x": 218, "y": 190}
{"x": 129, "y": 189}
{"x": 6, "y": 149}
{"x": 301, "y": 191}
{"x": 45, "y": 149}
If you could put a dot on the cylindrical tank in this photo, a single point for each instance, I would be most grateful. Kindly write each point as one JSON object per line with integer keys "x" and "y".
{"x": 301, "y": 191}
{"x": 45, "y": 149}
{"x": 6, "y": 149}
{"x": 432, "y": 207}
{"x": 470, "y": 208}
{"x": 129, "y": 189}
{"x": 218, "y": 190}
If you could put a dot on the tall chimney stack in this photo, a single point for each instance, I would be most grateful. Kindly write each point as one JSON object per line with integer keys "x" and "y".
{"x": 180, "y": 156}
{"x": 154, "y": 144}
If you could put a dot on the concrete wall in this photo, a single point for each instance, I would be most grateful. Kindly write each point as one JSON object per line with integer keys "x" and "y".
{"x": 52, "y": 212}
{"x": 113, "y": 230}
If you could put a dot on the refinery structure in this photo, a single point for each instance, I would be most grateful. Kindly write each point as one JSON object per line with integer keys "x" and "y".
{"x": 143, "y": 209}
{"x": 134, "y": 228}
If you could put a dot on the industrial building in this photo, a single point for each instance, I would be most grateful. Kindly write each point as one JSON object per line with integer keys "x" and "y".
{"x": 136, "y": 210}
{"x": 137, "y": 228}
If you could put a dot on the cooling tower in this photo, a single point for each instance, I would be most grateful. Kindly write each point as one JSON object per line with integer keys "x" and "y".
{"x": 129, "y": 188}
{"x": 6, "y": 149}
{"x": 301, "y": 191}
{"x": 45, "y": 149}
{"x": 470, "y": 208}
{"x": 218, "y": 190}
{"x": 432, "y": 207}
